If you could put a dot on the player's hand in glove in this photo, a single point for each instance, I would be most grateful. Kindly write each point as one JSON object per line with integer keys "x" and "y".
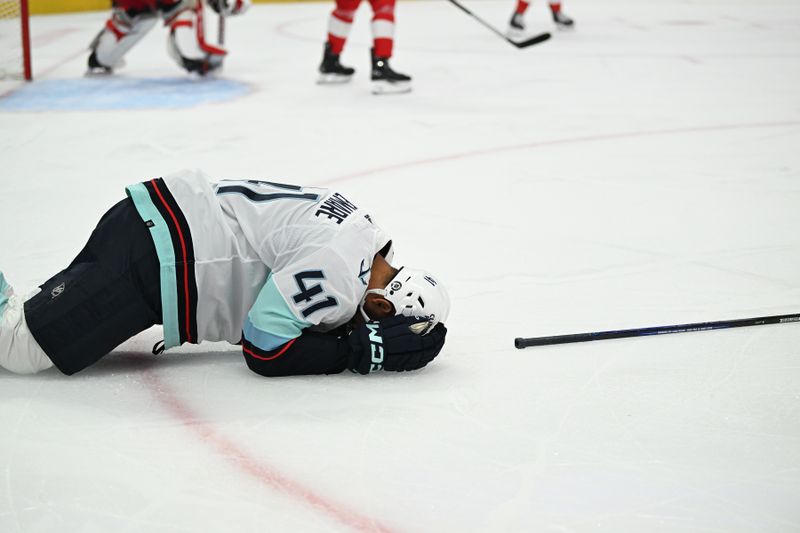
{"x": 392, "y": 344}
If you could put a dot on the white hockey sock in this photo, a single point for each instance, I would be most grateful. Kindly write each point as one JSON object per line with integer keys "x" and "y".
{"x": 19, "y": 351}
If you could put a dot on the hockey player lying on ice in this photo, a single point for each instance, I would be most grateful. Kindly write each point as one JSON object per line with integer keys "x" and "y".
{"x": 298, "y": 275}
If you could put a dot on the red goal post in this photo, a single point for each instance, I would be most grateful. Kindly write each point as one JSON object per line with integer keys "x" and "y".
{"x": 15, "y": 41}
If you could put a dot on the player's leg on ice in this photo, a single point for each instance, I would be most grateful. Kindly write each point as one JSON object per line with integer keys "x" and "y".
{"x": 19, "y": 351}
{"x": 516, "y": 26}
{"x": 562, "y": 21}
{"x": 187, "y": 44}
{"x": 109, "y": 293}
{"x": 384, "y": 79}
{"x": 129, "y": 23}
{"x": 341, "y": 20}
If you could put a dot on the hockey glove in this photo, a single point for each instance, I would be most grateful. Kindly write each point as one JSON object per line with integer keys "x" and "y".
{"x": 228, "y": 8}
{"x": 392, "y": 344}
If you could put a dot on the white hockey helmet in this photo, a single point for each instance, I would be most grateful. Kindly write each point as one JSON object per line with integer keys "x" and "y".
{"x": 415, "y": 292}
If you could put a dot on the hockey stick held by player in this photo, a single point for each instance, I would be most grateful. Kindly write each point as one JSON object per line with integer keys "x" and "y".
{"x": 299, "y": 276}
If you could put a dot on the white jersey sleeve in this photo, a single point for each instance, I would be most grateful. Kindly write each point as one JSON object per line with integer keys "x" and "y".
{"x": 319, "y": 287}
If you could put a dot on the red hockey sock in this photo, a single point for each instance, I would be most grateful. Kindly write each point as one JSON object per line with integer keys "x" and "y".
{"x": 337, "y": 44}
{"x": 522, "y": 5}
{"x": 555, "y": 7}
{"x": 383, "y": 47}
{"x": 383, "y": 27}
{"x": 339, "y": 28}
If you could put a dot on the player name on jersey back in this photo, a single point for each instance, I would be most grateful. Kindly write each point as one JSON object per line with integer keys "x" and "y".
{"x": 336, "y": 208}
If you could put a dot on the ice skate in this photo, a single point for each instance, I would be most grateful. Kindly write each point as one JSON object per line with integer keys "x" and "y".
{"x": 94, "y": 68}
{"x": 93, "y": 65}
{"x": 331, "y": 70}
{"x": 516, "y": 27}
{"x": 385, "y": 80}
{"x": 562, "y": 21}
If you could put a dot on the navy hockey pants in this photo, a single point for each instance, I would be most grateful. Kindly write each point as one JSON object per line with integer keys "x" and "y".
{"x": 109, "y": 293}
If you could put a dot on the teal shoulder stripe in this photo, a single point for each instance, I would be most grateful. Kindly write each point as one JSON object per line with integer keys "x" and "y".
{"x": 166, "y": 258}
{"x": 271, "y": 318}
{"x": 4, "y": 291}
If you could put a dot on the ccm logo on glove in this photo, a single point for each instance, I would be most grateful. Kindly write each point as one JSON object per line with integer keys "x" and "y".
{"x": 394, "y": 344}
{"x": 376, "y": 344}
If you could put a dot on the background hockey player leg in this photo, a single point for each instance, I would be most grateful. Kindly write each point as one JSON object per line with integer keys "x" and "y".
{"x": 187, "y": 44}
{"x": 384, "y": 79}
{"x": 339, "y": 24}
{"x": 130, "y": 21}
{"x": 516, "y": 26}
{"x": 562, "y": 21}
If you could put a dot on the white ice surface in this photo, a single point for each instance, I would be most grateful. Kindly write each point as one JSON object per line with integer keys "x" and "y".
{"x": 642, "y": 170}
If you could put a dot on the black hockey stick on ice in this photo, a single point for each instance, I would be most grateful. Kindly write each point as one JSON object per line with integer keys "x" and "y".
{"x": 536, "y": 39}
{"x": 520, "y": 342}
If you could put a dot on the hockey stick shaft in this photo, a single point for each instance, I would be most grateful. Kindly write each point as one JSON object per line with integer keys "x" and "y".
{"x": 221, "y": 31}
{"x": 522, "y": 44}
{"x": 521, "y": 342}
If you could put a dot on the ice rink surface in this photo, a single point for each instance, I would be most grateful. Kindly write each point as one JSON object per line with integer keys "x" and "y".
{"x": 641, "y": 170}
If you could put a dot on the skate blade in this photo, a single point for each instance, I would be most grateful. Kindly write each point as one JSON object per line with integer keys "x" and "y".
{"x": 385, "y": 87}
{"x": 98, "y": 73}
{"x": 565, "y": 27}
{"x": 101, "y": 72}
{"x": 515, "y": 35}
{"x": 332, "y": 79}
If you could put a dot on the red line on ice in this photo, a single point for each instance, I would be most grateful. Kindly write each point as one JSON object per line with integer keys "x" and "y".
{"x": 251, "y": 466}
{"x": 43, "y": 39}
{"x": 556, "y": 142}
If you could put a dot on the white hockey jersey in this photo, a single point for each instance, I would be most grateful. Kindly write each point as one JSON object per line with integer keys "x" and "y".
{"x": 255, "y": 258}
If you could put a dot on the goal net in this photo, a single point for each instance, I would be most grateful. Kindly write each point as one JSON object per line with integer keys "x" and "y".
{"x": 15, "y": 50}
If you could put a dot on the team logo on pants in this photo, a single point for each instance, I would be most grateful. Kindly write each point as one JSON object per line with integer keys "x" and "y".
{"x": 56, "y": 292}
